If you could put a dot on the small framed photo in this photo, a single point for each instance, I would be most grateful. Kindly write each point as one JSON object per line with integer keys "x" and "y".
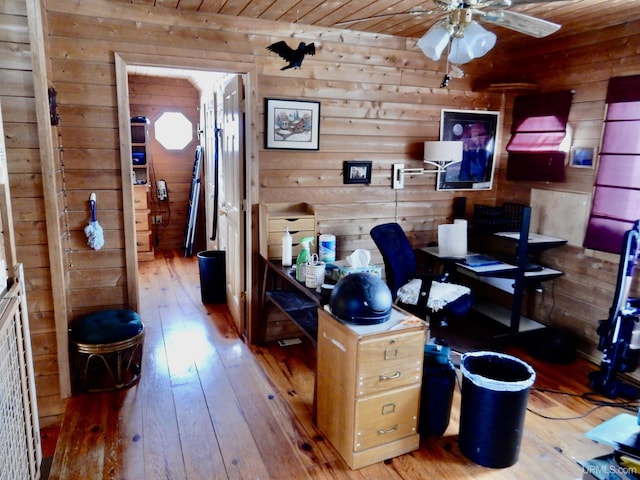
{"x": 292, "y": 124}
{"x": 582, "y": 157}
{"x": 356, "y": 172}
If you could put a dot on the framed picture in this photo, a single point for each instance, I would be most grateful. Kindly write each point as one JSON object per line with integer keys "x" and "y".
{"x": 292, "y": 124}
{"x": 582, "y": 157}
{"x": 478, "y": 130}
{"x": 356, "y": 172}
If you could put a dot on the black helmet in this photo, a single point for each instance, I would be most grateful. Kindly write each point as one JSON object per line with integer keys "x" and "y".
{"x": 361, "y": 298}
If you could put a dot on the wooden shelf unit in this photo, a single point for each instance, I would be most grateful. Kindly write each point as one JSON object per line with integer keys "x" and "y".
{"x": 144, "y": 242}
{"x": 140, "y": 150}
{"x": 368, "y": 384}
{"x": 275, "y": 218}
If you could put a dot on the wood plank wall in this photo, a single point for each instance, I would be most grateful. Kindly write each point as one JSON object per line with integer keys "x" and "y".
{"x": 151, "y": 96}
{"x": 583, "y": 63}
{"x": 380, "y": 99}
{"x": 17, "y": 94}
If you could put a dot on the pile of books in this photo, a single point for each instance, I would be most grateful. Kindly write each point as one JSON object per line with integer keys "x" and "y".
{"x": 622, "y": 432}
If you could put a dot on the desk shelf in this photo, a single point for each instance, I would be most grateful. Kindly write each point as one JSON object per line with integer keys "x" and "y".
{"x": 503, "y": 315}
{"x": 296, "y": 302}
{"x": 299, "y": 308}
{"x": 517, "y": 247}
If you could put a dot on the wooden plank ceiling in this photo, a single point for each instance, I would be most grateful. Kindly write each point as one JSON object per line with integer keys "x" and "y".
{"x": 574, "y": 15}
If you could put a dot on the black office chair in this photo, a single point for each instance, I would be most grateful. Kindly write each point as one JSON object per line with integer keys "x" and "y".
{"x": 401, "y": 266}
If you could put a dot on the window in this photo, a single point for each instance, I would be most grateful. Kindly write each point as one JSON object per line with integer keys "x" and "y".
{"x": 173, "y": 130}
{"x": 616, "y": 197}
{"x": 537, "y": 139}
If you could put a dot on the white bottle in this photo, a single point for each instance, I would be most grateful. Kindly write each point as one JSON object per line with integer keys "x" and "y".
{"x": 287, "y": 254}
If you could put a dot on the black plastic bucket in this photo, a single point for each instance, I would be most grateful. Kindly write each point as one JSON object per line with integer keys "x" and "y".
{"x": 213, "y": 276}
{"x": 495, "y": 390}
{"x": 438, "y": 382}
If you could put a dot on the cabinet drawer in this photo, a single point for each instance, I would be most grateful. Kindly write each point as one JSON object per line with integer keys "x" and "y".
{"x": 389, "y": 363}
{"x": 142, "y": 220}
{"x": 386, "y": 417}
{"x": 279, "y": 225}
{"x": 275, "y": 243}
{"x": 140, "y": 197}
{"x": 143, "y": 241}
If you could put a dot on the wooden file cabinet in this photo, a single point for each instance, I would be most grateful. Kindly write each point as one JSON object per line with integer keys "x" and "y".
{"x": 142, "y": 214}
{"x": 368, "y": 387}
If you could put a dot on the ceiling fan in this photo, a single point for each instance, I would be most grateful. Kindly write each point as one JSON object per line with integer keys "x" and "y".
{"x": 464, "y": 35}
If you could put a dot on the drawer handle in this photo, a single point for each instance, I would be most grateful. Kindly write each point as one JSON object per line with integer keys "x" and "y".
{"x": 388, "y": 408}
{"x": 388, "y": 430}
{"x": 390, "y": 377}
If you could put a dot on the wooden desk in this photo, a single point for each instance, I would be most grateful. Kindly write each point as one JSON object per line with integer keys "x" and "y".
{"x": 281, "y": 289}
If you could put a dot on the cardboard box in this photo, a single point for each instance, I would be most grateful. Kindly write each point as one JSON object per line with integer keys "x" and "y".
{"x": 340, "y": 269}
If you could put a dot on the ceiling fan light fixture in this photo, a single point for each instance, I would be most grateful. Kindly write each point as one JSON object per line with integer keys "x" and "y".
{"x": 473, "y": 42}
{"x": 435, "y": 40}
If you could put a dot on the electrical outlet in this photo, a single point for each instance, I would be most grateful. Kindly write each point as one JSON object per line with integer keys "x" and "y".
{"x": 156, "y": 219}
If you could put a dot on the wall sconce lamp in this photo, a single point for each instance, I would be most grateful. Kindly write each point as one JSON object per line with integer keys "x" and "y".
{"x": 438, "y": 154}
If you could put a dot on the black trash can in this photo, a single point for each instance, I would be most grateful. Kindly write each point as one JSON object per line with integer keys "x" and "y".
{"x": 213, "y": 276}
{"x": 495, "y": 390}
{"x": 438, "y": 382}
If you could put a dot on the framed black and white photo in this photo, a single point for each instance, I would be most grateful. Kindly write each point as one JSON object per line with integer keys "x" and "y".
{"x": 478, "y": 130}
{"x": 356, "y": 171}
{"x": 582, "y": 157}
{"x": 292, "y": 124}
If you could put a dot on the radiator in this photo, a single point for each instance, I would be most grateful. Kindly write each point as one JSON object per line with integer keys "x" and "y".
{"x": 19, "y": 427}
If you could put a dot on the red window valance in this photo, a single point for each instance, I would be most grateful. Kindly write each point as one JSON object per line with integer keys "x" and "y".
{"x": 539, "y": 127}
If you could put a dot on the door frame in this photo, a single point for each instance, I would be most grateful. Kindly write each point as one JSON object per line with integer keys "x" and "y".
{"x": 248, "y": 70}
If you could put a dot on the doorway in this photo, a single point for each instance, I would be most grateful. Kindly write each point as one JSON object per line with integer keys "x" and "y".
{"x": 233, "y": 181}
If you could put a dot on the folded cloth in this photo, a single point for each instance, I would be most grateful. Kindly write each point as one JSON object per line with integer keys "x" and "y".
{"x": 439, "y": 295}
{"x": 409, "y": 292}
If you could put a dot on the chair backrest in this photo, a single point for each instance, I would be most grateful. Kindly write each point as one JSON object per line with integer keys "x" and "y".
{"x": 397, "y": 253}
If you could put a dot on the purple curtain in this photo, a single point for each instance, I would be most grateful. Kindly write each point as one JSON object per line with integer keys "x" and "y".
{"x": 538, "y": 128}
{"x": 616, "y": 200}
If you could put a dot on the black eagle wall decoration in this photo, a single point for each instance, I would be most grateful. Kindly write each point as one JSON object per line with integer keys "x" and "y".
{"x": 294, "y": 57}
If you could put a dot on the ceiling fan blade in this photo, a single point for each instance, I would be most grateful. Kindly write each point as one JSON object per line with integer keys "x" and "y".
{"x": 536, "y": 27}
{"x": 527, "y": 2}
{"x": 413, "y": 11}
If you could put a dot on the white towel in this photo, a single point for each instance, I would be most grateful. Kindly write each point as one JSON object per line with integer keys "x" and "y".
{"x": 439, "y": 295}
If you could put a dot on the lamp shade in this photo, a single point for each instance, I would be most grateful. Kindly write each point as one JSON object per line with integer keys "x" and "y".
{"x": 435, "y": 40}
{"x": 443, "y": 151}
{"x": 474, "y": 42}
{"x": 482, "y": 40}
{"x": 461, "y": 51}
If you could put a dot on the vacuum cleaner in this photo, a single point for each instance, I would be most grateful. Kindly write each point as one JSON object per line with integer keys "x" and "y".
{"x": 620, "y": 333}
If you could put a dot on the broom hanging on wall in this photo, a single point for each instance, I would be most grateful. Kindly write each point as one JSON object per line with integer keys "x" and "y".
{"x": 93, "y": 231}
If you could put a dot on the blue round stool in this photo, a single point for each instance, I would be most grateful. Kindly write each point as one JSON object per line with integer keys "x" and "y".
{"x": 107, "y": 349}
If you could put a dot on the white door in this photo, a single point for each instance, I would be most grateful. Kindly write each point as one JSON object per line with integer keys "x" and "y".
{"x": 231, "y": 197}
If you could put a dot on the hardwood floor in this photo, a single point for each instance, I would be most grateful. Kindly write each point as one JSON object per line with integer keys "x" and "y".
{"x": 210, "y": 407}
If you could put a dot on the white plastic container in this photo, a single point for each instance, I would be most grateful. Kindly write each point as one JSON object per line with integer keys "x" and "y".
{"x": 287, "y": 249}
{"x": 327, "y": 248}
